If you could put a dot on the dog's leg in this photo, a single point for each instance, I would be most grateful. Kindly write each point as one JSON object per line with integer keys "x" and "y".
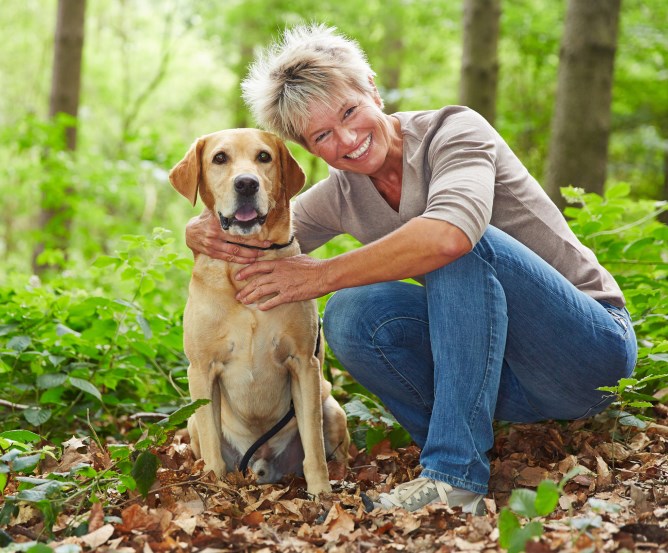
{"x": 335, "y": 426}
{"x": 205, "y": 384}
{"x": 305, "y": 386}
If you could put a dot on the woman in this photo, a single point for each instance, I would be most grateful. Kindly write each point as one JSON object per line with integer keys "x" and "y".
{"x": 516, "y": 319}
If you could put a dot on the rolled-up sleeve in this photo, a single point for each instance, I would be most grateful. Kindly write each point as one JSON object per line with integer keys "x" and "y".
{"x": 462, "y": 158}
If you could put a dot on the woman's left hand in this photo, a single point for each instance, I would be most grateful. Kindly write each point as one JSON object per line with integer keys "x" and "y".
{"x": 292, "y": 279}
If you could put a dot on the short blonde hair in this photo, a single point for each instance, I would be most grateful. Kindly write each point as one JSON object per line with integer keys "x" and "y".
{"x": 310, "y": 63}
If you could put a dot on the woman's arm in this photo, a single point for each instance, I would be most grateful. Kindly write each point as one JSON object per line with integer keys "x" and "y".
{"x": 418, "y": 247}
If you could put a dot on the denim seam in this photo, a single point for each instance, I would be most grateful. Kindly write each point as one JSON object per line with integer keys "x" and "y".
{"x": 390, "y": 365}
{"x": 476, "y": 408}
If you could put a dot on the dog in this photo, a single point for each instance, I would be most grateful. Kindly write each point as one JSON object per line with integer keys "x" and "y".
{"x": 253, "y": 364}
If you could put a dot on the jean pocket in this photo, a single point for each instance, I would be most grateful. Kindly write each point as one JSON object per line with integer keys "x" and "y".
{"x": 620, "y": 316}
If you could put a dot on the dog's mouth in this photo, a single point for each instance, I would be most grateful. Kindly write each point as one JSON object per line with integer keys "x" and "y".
{"x": 245, "y": 217}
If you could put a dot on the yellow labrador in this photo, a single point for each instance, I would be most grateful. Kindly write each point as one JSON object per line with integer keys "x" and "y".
{"x": 254, "y": 365}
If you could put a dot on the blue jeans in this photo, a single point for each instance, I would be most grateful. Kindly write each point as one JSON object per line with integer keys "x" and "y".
{"x": 498, "y": 333}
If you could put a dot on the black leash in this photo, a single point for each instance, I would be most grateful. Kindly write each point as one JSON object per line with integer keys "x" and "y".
{"x": 243, "y": 465}
{"x": 272, "y": 247}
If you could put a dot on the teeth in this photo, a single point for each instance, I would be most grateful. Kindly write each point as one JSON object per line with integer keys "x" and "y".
{"x": 363, "y": 148}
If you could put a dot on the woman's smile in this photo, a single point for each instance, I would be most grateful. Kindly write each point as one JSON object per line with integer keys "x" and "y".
{"x": 361, "y": 150}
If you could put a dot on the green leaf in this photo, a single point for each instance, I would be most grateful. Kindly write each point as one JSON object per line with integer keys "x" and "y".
{"x": 627, "y": 419}
{"x": 3, "y": 481}
{"x": 523, "y": 502}
{"x": 145, "y": 326}
{"x": 50, "y": 380}
{"x": 27, "y": 463}
{"x": 19, "y": 343}
{"x": 182, "y": 414}
{"x": 85, "y": 386}
{"x": 508, "y": 524}
{"x": 62, "y": 330}
{"x": 37, "y": 415}
{"x": 640, "y": 404}
{"x": 547, "y": 497}
{"x": 23, "y": 436}
{"x": 520, "y": 538}
{"x": 375, "y": 436}
{"x": 106, "y": 261}
{"x": 617, "y": 190}
{"x": 126, "y": 483}
{"x": 355, "y": 408}
{"x": 144, "y": 471}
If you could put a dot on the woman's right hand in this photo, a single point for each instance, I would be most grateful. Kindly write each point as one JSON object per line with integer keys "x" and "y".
{"x": 205, "y": 235}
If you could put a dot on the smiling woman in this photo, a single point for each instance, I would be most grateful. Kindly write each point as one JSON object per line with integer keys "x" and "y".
{"x": 515, "y": 318}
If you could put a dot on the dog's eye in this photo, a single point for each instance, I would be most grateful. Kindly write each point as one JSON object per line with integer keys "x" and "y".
{"x": 220, "y": 158}
{"x": 263, "y": 157}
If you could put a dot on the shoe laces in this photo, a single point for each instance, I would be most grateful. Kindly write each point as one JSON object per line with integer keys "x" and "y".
{"x": 408, "y": 492}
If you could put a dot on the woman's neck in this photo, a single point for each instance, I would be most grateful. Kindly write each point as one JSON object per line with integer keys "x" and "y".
{"x": 388, "y": 178}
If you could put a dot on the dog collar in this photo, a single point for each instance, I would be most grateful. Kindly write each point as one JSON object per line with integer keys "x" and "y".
{"x": 272, "y": 247}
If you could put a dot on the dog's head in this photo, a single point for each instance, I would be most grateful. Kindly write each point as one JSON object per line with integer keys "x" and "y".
{"x": 245, "y": 176}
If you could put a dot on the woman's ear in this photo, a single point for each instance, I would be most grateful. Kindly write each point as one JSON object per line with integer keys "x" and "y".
{"x": 374, "y": 92}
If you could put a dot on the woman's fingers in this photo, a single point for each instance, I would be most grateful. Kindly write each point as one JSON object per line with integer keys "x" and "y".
{"x": 204, "y": 235}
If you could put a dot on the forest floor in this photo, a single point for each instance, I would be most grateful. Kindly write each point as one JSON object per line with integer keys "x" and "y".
{"x": 618, "y": 503}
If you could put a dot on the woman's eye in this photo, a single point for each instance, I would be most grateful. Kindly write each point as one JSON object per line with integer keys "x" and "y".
{"x": 321, "y": 137}
{"x": 220, "y": 158}
{"x": 349, "y": 112}
{"x": 264, "y": 157}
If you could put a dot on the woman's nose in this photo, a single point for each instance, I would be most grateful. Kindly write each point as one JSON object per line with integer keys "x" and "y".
{"x": 347, "y": 137}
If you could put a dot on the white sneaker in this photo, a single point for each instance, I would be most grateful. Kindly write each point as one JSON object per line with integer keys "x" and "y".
{"x": 424, "y": 491}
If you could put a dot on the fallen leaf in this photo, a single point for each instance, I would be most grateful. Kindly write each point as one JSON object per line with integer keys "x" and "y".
{"x": 603, "y": 474}
{"x": 531, "y": 476}
{"x": 338, "y": 523}
{"x": 99, "y": 536}
{"x": 96, "y": 517}
{"x": 254, "y": 518}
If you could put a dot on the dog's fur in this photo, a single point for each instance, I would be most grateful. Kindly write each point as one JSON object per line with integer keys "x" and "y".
{"x": 251, "y": 364}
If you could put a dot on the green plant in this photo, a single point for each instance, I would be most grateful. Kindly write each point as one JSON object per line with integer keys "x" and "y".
{"x": 632, "y": 244}
{"x": 127, "y": 468}
{"x": 372, "y": 423}
{"x": 532, "y": 506}
{"x": 104, "y": 339}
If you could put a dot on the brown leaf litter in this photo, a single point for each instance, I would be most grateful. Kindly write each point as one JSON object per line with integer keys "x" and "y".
{"x": 189, "y": 510}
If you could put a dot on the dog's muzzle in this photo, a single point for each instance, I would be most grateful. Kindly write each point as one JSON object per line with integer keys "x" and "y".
{"x": 246, "y": 214}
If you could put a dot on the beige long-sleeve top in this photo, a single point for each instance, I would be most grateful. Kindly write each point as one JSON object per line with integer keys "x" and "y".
{"x": 456, "y": 168}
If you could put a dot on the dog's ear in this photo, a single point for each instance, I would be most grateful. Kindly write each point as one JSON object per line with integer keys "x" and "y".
{"x": 186, "y": 174}
{"x": 292, "y": 175}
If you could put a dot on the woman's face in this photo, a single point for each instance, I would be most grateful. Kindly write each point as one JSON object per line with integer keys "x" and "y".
{"x": 354, "y": 136}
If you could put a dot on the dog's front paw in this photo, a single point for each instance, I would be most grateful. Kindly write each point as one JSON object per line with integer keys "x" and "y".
{"x": 217, "y": 466}
{"x": 318, "y": 488}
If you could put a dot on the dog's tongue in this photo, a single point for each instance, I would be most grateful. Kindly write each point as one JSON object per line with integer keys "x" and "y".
{"x": 245, "y": 213}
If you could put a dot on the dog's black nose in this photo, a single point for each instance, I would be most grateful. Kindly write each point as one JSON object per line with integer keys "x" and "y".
{"x": 246, "y": 184}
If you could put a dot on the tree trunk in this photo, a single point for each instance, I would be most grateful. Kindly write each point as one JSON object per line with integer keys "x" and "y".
{"x": 578, "y": 149}
{"x": 68, "y": 49}
{"x": 55, "y": 215}
{"x": 480, "y": 66}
